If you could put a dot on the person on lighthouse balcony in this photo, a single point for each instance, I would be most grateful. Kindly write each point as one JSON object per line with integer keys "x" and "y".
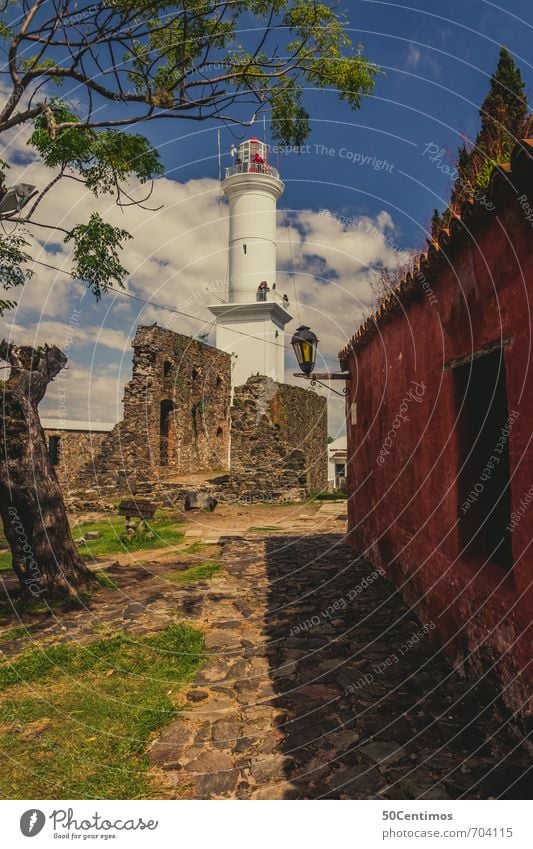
{"x": 262, "y": 291}
{"x": 258, "y": 162}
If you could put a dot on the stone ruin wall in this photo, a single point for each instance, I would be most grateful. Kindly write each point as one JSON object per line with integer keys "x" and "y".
{"x": 176, "y": 415}
{"x": 278, "y": 432}
{"x": 76, "y": 449}
{"x": 278, "y": 441}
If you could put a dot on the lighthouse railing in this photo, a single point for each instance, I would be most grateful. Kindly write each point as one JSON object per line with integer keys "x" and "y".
{"x": 250, "y": 296}
{"x": 251, "y": 168}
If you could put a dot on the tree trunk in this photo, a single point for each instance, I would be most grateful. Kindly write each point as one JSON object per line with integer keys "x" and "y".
{"x": 45, "y": 558}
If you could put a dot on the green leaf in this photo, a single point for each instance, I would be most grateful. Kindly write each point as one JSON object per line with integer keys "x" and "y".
{"x": 12, "y": 261}
{"x": 290, "y": 121}
{"x": 115, "y": 156}
{"x": 103, "y": 159}
{"x": 33, "y": 64}
{"x": 96, "y": 254}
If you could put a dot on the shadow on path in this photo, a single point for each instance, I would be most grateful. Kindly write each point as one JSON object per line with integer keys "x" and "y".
{"x": 369, "y": 705}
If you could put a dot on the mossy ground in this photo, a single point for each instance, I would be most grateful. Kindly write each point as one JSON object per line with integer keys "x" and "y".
{"x": 76, "y": 720}
{"x": 163, "y": 530}
{"x": 202, "y": 572}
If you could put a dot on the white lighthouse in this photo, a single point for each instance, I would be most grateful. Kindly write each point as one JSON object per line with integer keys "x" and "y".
{"x": 251, "y": 315}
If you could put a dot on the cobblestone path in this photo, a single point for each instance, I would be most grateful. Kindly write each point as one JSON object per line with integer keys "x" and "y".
{"x": 321, "y": 683}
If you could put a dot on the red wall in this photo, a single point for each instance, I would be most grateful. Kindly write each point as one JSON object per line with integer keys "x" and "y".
{"x": 403, "y": 509}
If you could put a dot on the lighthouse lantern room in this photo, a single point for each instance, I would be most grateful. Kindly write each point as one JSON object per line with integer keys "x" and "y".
{"x": 251, "y": 315}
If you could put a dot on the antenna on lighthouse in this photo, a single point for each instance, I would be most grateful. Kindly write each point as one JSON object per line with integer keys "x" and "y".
{"x": 220, "y": 192}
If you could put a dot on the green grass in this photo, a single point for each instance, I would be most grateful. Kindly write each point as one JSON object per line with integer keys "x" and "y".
{"x": 17, "y": 633}
{"x": 104, "y": 580}
{"x": 18, "y": 605}
{"x": 195, "y": 547}
{"x": 76, "y": 720}
{"x": 114, "y": 540}
{"x": 15, "y": 605}
{"x": 202, "y": 572}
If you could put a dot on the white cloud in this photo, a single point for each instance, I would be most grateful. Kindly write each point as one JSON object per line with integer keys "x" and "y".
{"x": 419, "y": 57}
{"x": 85, "y": 393}
{"x": 414, "y": 55}
{"x": 67, "y": 335}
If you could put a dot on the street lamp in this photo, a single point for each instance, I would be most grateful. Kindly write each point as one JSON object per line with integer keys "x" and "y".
{"x": 305, "y": 343}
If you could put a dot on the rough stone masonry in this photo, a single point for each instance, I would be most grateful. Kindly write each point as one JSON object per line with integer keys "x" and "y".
{"x": 176, "y": 414}
{"x": 178, "y": 421}
{"x": 279, "y": 440}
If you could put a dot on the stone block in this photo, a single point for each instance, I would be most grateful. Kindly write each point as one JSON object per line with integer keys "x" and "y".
{"x": 199, "y": 501}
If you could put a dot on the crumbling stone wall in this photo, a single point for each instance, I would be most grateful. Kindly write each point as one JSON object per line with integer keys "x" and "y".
{"x": 75, "y": 449}
{"x": 177, "y": 422}
{"x": 278, "y": 440}
{"x": 176, "y": 413}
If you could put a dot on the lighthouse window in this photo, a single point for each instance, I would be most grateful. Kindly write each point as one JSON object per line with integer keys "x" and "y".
{"x": 244, "y": 248}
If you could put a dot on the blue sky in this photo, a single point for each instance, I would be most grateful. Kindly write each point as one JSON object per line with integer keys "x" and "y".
{"x": 368, "y": 169}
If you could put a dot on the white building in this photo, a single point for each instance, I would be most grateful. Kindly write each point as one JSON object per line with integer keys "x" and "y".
{"x": 337, "y": 459}
{"x": 251, "y": 315}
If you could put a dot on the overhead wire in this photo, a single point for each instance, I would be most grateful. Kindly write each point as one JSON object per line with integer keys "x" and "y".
{"x": 292, "y": 269}
{"x": 198, "y": 318}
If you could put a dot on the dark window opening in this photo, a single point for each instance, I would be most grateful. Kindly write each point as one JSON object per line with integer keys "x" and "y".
{"x": 483, "y": 482}
{"x": 244, "y": 248}
{"x": 54, "y": 446}
{"x": 219, "y": 381}
{"x": 164, "y": 430}
{"x": 195, "y": 373}
{"x": 219, "y": 431}
{"x": 340, "y": 470}
{"x": 167, "y": 368}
